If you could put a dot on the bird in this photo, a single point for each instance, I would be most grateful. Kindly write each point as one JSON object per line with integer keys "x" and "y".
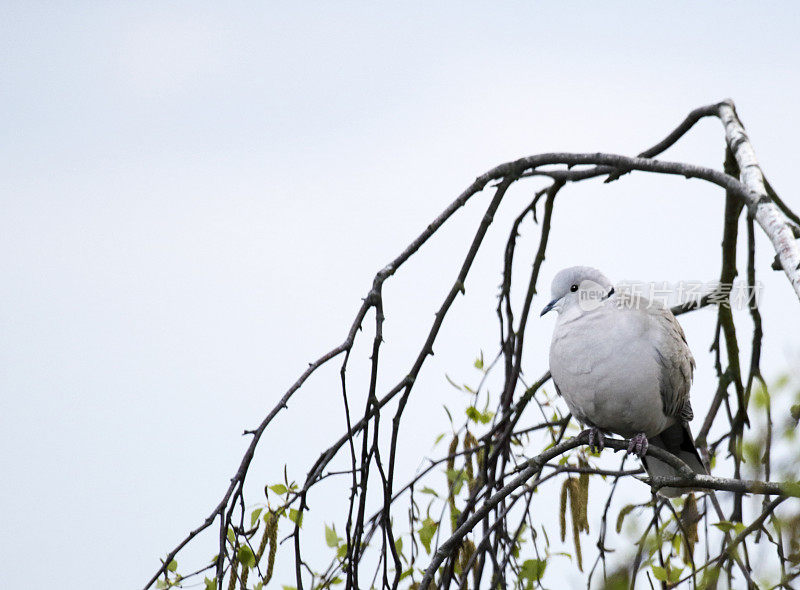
{"x": 623, "y": 366}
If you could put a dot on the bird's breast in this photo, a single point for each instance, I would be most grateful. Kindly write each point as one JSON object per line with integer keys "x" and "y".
{"x": 608, "y": 375}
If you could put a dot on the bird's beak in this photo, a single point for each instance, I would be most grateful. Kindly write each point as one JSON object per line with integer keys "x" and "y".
{"x": 550, "y": 306}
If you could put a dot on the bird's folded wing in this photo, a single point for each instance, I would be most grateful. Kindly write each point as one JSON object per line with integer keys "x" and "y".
{"x": 676, "y": 362}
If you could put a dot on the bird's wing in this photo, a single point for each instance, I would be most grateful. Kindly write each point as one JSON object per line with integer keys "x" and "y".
{"x": 676, "y": 363}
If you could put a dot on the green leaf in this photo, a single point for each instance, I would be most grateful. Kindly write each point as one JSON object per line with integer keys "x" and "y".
{"x": 331, "y": 538}
{"x": 674, "y": 575}
{"x": 342, "y": 550}
{"x": 246, "y": 557}
{"x": 660, "y": 573}
{"x": 258, "y": 586}
{"x": 427, "y": 490}
{"x": 289, "y": 588}
{"x": 294, "y": 516}
{"x": 231, "y": 536}
{"x": 398, "y": 545}
{"x": 677, "y": 542}
{"x": 438, "y": 439}
{"x": 479, "y": 362}
{"x": 278, "y": 488}
{"x": 533, "y": 569}
{"x": 709, "y": 580}
{"x": 426, "y": 533}
{"x": 254, "y": 516}
{"x": 336, "y": 580}
{"x": 407, "y": 573}
{"x": 173, "y": 566}
{"x": 210, "y": 584}
{"x": 622, "y": 514}
{"x": 479, "y": 417}
{"x": 724, "y": 525}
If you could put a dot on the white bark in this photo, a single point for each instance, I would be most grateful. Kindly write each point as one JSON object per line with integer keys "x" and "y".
{"x": 766, "y": 213}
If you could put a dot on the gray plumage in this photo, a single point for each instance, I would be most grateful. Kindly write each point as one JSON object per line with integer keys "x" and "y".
{"x": 623, "y": 365}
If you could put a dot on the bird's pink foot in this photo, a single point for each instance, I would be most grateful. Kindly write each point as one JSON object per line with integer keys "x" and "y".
{"x": 596, "y": 440}
{"x": 638, "y": 445}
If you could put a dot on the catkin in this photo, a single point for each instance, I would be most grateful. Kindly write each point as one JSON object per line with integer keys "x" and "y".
{"x": 234, "y": 566}
{"x": 563, "y": 512}
{"x": 467, "y": 549}
{"x": 583, "y": 486}
{"x": 451, "y": 499}
{"x": 689, "y": 519}
{"x": 272, "y": 529}
{"x": 469, "y": 444}
{"x": 577, "y": 491}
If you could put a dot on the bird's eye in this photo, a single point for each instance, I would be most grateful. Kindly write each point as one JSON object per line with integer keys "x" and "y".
{"x": 573, "y": 288}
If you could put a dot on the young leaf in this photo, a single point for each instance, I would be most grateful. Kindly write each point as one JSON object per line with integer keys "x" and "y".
{"x": 674, "y": 575}
{"x": 246, "y": 557}
{"x": 426, "y": 533}
{"x": 278, "y": 488}
{"x": 479, "y": 417}
{"x": 295, "y": 517}
{"x": 533, "y": 569}
{"x": 660, "y": 573}
{"x": 622, "y": 514}
{"x": 254, "y": 516}
{"x": 724, "y": 525}
{"x": 173, "y": 565}
{"x": 331, "y": 538}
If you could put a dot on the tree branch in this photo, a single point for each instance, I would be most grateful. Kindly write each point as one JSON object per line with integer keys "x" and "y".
{"x": 534, "y": 465}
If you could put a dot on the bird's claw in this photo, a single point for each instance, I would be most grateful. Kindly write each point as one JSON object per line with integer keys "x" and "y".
{"x": 638, "y": 445}
{"x": 597, "y": 441}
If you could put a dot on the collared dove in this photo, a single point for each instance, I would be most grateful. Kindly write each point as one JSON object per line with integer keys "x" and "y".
{"x": 623, "y": 366}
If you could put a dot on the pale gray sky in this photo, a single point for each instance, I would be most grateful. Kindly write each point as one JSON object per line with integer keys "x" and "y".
{"x": 195, "y": 198}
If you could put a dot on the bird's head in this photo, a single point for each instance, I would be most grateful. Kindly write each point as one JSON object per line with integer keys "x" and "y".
{"x": 579, "y": 287}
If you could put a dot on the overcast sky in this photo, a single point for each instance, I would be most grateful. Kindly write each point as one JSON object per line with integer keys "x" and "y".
{"x": 195, "y": 198}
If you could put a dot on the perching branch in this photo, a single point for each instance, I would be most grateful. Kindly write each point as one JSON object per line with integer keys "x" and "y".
{"x": 534, "y": 465}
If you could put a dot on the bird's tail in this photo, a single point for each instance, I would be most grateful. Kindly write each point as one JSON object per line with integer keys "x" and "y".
{"x": 677, "y": 439}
